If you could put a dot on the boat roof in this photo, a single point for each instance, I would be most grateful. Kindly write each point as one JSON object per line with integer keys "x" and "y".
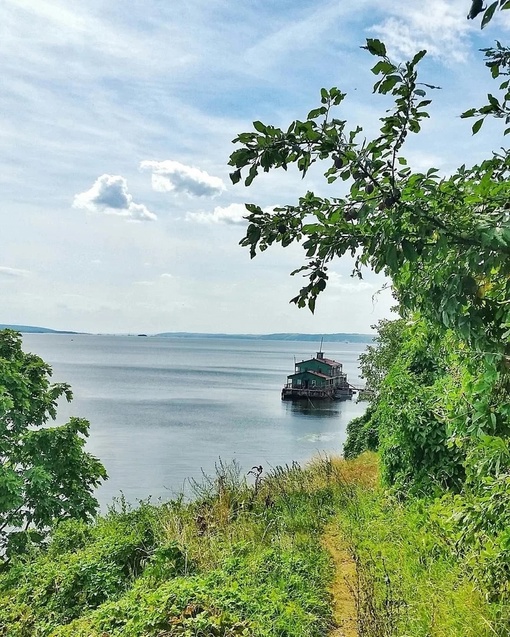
{"x": 309, "y": 371}
{"x": 328, "y": 361}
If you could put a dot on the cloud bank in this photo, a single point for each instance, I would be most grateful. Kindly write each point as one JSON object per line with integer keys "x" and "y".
{"x": 231, "y": 215}
{"x": 109, "y": 195}
{"x": 13, "y": 272}
{"x": 440, "y": 26}
{"x": 172, "y": 176}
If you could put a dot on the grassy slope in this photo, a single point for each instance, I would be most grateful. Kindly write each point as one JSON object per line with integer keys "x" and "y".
{"x": 409, "y": 580}
{"x": 251, "y": 561}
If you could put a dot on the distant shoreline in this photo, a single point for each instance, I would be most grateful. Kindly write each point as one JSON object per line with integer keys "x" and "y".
{"x": 338, "y": 337}
{"x": 33, "y": 329}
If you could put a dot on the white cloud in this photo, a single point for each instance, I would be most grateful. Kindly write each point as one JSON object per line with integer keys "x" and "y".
{"x": 339, "y": 282}
{"x": 301, "y": 33}
{"x": 232, "y": 215}
{"x": 439, "y": 26}
{"x": 109, "y": 195}
{"x": 166, "y": 275}
{"x": 13, "y": 272}
{"x": 172, "y": 176}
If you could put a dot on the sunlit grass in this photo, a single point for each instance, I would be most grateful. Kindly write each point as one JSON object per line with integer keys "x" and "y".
{"x": 280, "y": 555}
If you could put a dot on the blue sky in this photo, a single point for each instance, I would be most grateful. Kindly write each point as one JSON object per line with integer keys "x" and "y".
{"x": 117, "y": 119}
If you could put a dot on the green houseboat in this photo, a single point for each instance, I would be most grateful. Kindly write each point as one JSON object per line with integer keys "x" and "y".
{"x": 317, "y": 377}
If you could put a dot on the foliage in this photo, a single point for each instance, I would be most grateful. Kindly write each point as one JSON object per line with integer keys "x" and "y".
{"x": 45, "y": 474}
{"x": 444, "y": 241}
{"x": 440, "y": 410}
{"x": 438, "y": 403}
{"x": 246, "y": 560}
{"x": 410, "y": 579}
{"x": 476, "y": 523}
{"x": 413, "y": 414}
{"x": 83, "y": 567}
{"x": 377, "y": 359}
{"x": 362, "y": 435}
{"x": 498, "y": 61}
{"x": 375, "y": 363}
{"x": 250, "y": 563}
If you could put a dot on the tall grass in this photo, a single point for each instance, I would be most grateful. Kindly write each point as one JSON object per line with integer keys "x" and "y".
{"x": 240, "y": 559}
{"x": 248, "y": 556}
{"x": 408, "y": 581}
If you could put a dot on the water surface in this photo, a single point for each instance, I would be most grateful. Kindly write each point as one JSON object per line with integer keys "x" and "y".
{"x": 162, "y": 410}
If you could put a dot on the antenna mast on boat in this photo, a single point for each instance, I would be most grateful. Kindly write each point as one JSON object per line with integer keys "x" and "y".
{"x": 320, "y": 355}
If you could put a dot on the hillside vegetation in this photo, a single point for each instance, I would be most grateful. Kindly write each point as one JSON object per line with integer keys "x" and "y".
{"x": 438, "y": 378}
{"x": 410, "y": 541}
{"x": 253, "y": 560}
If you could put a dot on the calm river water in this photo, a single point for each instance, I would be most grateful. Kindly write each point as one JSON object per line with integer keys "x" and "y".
{"x": 162, "y": 410}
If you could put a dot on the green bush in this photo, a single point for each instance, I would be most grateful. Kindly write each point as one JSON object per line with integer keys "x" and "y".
{"x": 410, "y": 578}
{"x": 242, "y": 560}
{"x": 362, "y": 435}
{"x": 82, "y": 568}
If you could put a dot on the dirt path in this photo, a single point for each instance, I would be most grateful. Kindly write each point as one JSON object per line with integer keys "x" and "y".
{"x": 344, "y": 609}
{"x": 361, "y": 472}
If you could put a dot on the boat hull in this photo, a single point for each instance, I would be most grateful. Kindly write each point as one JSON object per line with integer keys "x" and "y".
{"x": 294, "y": 393}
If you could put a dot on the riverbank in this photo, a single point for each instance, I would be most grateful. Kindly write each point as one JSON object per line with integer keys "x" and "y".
{"x": 298, "y": 552}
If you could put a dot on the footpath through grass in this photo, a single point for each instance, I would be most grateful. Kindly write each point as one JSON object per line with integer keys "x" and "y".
{"x": 266, "y": 560}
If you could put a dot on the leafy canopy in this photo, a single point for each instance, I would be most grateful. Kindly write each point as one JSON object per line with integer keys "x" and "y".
{"x": 440, "y": 408}
{"x": 443, "y": 241}
{"x": 45, "y": 474}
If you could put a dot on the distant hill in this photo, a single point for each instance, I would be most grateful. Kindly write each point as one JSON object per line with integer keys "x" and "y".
{"x": 32, "y": 329}
{"x": 339, "y": 337}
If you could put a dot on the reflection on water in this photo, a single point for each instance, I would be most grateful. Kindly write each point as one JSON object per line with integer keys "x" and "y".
{"x": 315, "y": 409}
{"x": 319, "y": 437}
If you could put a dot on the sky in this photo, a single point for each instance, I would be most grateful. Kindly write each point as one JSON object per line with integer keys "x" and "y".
{"x": 117, "y": 120}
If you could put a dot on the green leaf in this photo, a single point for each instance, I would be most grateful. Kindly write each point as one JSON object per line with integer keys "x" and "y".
{"x": 235, "y": 177}
{"x": 257, "y": 125}
{"x": 408, "y": 250}
{"x": 383, "y": 66}
{"x": 253, "y": 234}
{"x": 375, "y": 47}
{"x": 418, "y": 57}
{"x": 317, "y": 112}
{"x": 493, "y": 101}
{"x": 251, "y": 175}
{"x": 388, "y": 84}
{"x": 477, "y": 125}
{"x": 253, "y": 208}
{"x": 489, "y": 12}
